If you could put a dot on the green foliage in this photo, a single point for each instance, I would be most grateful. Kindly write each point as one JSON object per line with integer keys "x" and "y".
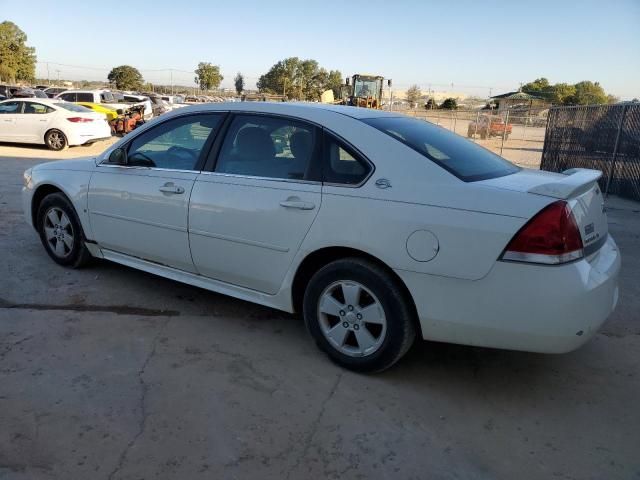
{"x": 126, "y": 77}
{"x": 431, "y": 104}
{"x": 17, "y": 61}
{"x": 413, "y": 95}
{"x": 239, "y": 83}
{"x": 581, "y": 93}
{"x": 588, "y": 93}
{"x": 299, "y": 79}
{"x": 208, "y": 76}
{"x": 449, "y": 104}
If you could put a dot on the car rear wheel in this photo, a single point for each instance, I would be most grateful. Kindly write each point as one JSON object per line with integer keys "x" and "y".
{"x": 358, "y": 314}
{"x": 56, "y": 140}
{"x": 60, "y": 231}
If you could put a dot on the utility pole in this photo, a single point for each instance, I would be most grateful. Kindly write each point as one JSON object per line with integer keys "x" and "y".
{"x": 58, "y": 72}
{"x": 48, "y": 79}
{"x": 171, "y": 70}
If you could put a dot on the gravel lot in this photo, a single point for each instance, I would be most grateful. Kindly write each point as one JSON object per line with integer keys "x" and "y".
{"x": 111, "y": 373}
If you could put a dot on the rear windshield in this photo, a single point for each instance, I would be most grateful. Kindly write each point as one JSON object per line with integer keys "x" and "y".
{"x": 72, "y": 107}
{"x": 459, "y": 156}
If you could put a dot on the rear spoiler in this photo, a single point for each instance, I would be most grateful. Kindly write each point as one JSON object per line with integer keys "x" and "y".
{"x": 576, "y": 182}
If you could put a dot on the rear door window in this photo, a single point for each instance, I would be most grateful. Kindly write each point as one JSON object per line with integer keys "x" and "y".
{"x": 37, "y": 108}
{"x": 68, "y": 97}
{"x": 84, "y": 97}
{"x": 270, "y": 147}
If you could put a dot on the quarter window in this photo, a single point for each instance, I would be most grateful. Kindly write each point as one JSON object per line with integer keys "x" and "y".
{"x": 84, "y": 97}
{"x": 269, "y": 147}
{"x": 343, "y": 165}
{"x": 175, "y": 144}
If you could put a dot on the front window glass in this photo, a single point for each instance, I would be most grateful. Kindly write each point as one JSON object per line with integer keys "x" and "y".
{"x": 269, "y": 147}
{"x": 459, "y": 156}
{"x": 175, "y": 144}
{"x": 10, "y": 107}
{"x": 106, "y": 97}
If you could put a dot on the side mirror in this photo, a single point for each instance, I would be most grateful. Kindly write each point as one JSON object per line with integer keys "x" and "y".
{"x": 118, "y": 157}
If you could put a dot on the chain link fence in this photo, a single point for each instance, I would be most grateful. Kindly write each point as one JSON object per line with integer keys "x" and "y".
{"x": 605, "y": 138}
{"x": 517, "y": 134}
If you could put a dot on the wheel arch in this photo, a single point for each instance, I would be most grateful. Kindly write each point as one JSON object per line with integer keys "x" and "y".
{"x": 321, "y": 257}
{"x": 39, "y": 194}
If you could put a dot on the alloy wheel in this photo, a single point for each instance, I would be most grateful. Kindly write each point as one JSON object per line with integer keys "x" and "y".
{"x": 58, "y": 232}
{"x": 352, "y": 318}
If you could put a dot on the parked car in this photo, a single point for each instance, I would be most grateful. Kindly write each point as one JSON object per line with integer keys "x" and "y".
{"x": 376, "y": 227}
{"x": 489, "y": 126}
{"x": 9, "y": 90}
{"x": 29, "y": 93}
{"x": 51, "y": 92}
{"x": 53, "y": 123}
{"x": 41, "y": 87}
{"x": 108, "y": 112}
{"x": 141, "y": 100}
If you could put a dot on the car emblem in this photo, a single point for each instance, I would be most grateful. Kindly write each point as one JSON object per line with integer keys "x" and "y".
{"x": 588, "y": 229}
{"x": 383, "y": 183}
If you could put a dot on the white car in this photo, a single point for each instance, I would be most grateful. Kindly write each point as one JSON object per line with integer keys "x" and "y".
{"x": 376, "y": 227}
{"x": 51, "y": 122}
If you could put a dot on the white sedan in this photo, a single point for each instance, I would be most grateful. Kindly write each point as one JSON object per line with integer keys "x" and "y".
{"x": 54, "y": 123}
{"x": 377, "y": 228}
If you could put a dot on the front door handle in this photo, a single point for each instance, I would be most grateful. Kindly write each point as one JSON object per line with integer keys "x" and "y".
{"x": 171, "y": 188}
{"x": 295, "y": 202}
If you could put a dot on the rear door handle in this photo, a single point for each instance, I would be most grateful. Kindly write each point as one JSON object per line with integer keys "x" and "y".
{"x": 171, "y": 188}
{"x": 297, "y": 203}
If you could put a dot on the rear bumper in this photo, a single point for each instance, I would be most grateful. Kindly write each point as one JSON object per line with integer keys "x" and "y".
{"x": 88, "y": 134}
{"x": 546, "y": 309}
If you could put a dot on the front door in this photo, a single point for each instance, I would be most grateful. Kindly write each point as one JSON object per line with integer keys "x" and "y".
{"x": 249, "y": 216}
{"x": 141, "y": 208}
{"x": 34, "y": 121}
{"x": 9, "y": 112}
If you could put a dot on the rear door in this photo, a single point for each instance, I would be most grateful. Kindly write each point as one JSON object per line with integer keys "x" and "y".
{"x": 141, "y": 209}
{"x": 35, "y": 120}
{"x": 248, "y": 217}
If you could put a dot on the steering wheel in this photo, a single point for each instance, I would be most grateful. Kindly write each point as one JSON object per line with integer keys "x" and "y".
{"x": 144, "y": 161}
{"x": 179, "y": 151}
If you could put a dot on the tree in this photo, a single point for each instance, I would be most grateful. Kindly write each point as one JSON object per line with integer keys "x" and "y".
{"x": 208, "y": 76}
{"x": 239, "y": 83}
{"x": 17, "y": 61}
{"x": 588, "y": 93}
{"x": 299, "y": 79}
{"x": 449, "y": 104}
{"x": 431, "y": 104}
{"x": 413, "y": 95}
{"x": 126, "y": 77}
{"x": 561, "y": 93}
{"x": 540, "y": 87}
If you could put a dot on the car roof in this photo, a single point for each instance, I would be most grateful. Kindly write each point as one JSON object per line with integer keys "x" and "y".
{"x": 49, "y": 101}
{"x": 297, "y": 109}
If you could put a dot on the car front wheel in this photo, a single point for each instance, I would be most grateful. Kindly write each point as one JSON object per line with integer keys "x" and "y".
{"x": 60, "y": 231}
{"x": 358, "y": 314}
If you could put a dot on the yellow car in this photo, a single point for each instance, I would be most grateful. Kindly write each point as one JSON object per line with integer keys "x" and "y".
{"x": 96, "y": 107}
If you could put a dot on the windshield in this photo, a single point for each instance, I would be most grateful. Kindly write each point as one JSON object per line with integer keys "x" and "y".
{"x": 72, "y": 107}
{"x": 365, "y": 88}
{"x": 106, "y": 97}
{"x": 459, "y": 156}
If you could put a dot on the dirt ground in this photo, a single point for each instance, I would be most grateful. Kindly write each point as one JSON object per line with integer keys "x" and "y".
{"x": 111, "y": 373}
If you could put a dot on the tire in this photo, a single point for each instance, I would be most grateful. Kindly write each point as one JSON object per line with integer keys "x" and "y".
{"x": 343, "y": 332}
{"x": 60, "y": 231}
{"x": 56, "y": 140}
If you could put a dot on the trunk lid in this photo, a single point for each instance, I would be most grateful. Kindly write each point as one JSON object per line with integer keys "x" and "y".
{"x": 577, "y": 186}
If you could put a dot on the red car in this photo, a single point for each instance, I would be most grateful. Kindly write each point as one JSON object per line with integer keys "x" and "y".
{"x": 489, "y": 126}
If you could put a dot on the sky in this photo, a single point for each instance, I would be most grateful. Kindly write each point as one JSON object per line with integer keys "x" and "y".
{"x": 472, "y": 47}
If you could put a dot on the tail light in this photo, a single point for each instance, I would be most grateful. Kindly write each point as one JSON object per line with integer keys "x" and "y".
{"x": 80, "y": 119}
{"x": 551, "y": 237}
